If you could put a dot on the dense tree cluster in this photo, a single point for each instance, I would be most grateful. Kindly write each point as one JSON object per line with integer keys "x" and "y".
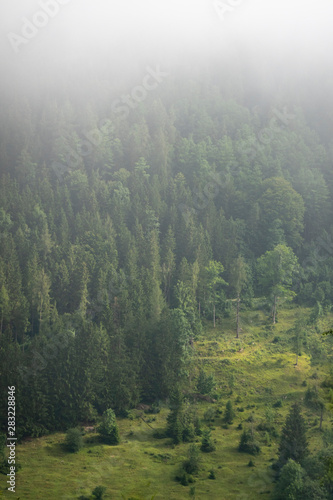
{"x": 118, "y": 236}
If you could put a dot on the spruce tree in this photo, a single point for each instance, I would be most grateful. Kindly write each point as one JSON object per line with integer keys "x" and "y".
{"x": 229, "y": 413}
{"x": 293, "y": 442}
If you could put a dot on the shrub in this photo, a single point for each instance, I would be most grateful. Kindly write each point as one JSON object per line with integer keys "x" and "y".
{"x": 209, "y": 415}
{"x": 73, "y": 440}
{"x": 205, "y": 383}
{"x": 311, "y": 398}
{"x": 185, "y": 479}
{"x": 269, "y": 428}
{"x": 108, "y": 428}
{"x": 188, "y": 434}
{"x": 191, "y": 465}
{"x": 248, "y": 444}
{"x": 98, "y": 492}
{"x": 278, "y": 404}
{"x": 212, "y": 474}
{"x": 155, "y": 407}
{"x": 192, "y": 491}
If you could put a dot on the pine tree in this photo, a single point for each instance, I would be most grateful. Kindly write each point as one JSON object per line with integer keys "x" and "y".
{"x": 207, "y": 444}
{"x": 293, "y": 442}
{"x": 229, "y": 413}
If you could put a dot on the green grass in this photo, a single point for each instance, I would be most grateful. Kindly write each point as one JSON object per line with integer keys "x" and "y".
{"x": 256, "y": 374}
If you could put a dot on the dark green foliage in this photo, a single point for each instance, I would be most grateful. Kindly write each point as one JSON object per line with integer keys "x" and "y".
{"x": 212, "y": 474}
{"x": 73, "y": 440}
{"x": 248, "y": 443}
{"x": 108, "y": 428}
{"x": 311, "y": 398}
{"x": 4, "y": 466}
{"x": 294, "y": 484}
{"x": 207, "y": 444}
{"x": 205, "y": 383}
{"x": 277, "y": 404}
{"x": 192, "y": 492}
{"x": 192, "y": 464}
{"x": 251, "y": 463}
{"x": 291, "y": 482}
{"x": 182, "y": 422}
{"x": 108, "y": 259}
{"x": 185, "y": 479}
{"x": 229, "y": 413}
{"x": 209, "y": 415}
{"x": 98, "y": 492}
{"x": 293, "y": 444}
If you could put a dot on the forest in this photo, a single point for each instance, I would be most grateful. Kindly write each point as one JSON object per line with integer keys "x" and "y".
{"x": 134, "y": 225}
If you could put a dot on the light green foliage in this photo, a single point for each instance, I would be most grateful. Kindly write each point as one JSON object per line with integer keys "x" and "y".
{"x": 108, "y": 428}
{"x": 276, "y": 270}
{"x": 290, "y": 484}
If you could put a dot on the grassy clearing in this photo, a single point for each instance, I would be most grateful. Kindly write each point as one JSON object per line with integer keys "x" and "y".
{"x": 254, "y": 372}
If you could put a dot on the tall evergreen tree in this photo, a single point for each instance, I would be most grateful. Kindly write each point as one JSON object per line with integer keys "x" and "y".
{"x": 293, "y": 443}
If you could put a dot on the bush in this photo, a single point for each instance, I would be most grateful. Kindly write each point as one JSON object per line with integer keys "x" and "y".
{"x": 278, "y": 404}
{"x": 108, "y": 428}
{"x": 205, "y": 383}
{"x": 248, "y": 444}
{"x": 209, "y": 415}
{"x": 212, "y": 474}
{"x": 311, "y": 398}
{"x": 185, "y": 479}
{"x": 191, "y": 465}
{"x": 73, "y": 440}
{"x": 188, "y": 433}
{"x": 98, "y": 492}
{"x": 269, "y": 428}
{"x": 155, "y": 407}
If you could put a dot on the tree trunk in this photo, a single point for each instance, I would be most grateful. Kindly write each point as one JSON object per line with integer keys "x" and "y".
{"x": 214, "y": 316}
{"x": 321, "y": 416}
{"x": 296, "y": 359}
{"x": 237, "y": 318}
{"x": 274, "y": 309}
{"x": 1, "y": 322}
{"x": 199, "y": 310}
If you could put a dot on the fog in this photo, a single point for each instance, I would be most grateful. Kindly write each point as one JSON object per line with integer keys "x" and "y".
{"x": 50, "y": 41}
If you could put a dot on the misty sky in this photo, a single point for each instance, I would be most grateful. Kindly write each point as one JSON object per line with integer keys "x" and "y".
{"x": 85, "y": 34}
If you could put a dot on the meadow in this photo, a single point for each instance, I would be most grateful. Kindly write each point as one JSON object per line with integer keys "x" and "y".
{"x": 256, "y": 372}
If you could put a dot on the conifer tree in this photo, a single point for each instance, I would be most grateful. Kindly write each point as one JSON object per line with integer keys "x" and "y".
{"x": 293, "y": 442}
